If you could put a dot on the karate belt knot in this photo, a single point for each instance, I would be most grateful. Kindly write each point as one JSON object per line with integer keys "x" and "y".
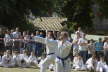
{"x": 63, "y": 59}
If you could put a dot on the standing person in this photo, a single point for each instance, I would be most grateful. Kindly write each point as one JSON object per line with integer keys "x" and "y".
{"x": 106, "y": 50}
{"x": 63, "y": 54}
{"x": 83, "y": 47}
{"x": 99, "y": 47}
{"x": 51, "y": 46}
{"x": 27, "y": 39}
{"x": 1, "y": 41}
{"x": 80, "y": 32}
{"x": 11, "y": 33}
{"x": 38, "y": 45}
{"x": 7, "y": 41}
{"x": 16, "y": 41}
{"x": 75, "y": 44}
{"x": 91, "y": 48}
{"x": 16, "y": 34}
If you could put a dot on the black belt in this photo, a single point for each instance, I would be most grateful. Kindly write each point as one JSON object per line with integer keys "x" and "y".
{"x": 63, "y": 59}
{"x": 50, "y": 53}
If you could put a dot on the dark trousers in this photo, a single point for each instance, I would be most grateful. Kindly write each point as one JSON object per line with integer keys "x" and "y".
{"x": 84, "y": 55}
{"x": 106, "y": 56}
{"x": 99, "y": 54}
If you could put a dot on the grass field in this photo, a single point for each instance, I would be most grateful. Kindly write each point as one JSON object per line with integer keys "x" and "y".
{"x": 24, "y": 70}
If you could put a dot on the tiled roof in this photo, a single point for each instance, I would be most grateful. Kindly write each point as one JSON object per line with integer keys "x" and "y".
{"x": 49, "y": 23}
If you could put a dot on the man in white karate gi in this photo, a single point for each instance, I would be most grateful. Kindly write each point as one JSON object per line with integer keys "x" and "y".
{"x": 51, "y": 46}
{"x": 63, "y": 54}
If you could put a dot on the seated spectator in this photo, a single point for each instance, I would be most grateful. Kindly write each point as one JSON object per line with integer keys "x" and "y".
{"x": 102, "y": 66}
{"x": 78, "y": 63}
{"x": 23, "y": 59}
{"x": 16, "y": 58}
{"x": 32, "y": 60}
{"x": 7, "y": 60}
{"x": 91, "y": 63}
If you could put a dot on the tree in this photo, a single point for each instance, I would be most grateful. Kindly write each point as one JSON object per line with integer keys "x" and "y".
{"x": 79, "y": 13}
{"x": 14, "y": 13}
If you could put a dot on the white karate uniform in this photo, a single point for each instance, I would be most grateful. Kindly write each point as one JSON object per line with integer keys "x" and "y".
{"x": 51, "y": 46}
{"x": 16, "y": 59}
{"x": 78, "y": 64}
{"x": 40, "y": 63}
{"x": 102, "y": 67}
{"x": 32, "y": 59}
{"x": 90, "y": 65}
{"x": 7, "y": 61}
{"x": 51, "y": 66}
{"x": 24, "y": 58}
{"x": 63, "y": 51}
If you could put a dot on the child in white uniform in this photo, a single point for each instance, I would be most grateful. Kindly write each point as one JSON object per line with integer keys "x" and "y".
{"x": 102, "y": 66}
{"x": 16, "y": 58}
{"x": 32, "y": 60}
{"x": 7, "y": 60}
{"x": 92, "y": 63}
{"x": 23, "y": 59}
{"x": 78, "y": 63}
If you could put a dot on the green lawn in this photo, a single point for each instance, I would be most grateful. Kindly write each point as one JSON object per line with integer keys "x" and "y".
{"x": 23, "y": 70}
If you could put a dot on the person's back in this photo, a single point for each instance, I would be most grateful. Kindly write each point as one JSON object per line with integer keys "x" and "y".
{"x": 99, "y": 45}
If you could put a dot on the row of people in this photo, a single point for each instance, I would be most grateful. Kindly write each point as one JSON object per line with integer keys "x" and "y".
{"x": 16, "y": 40}
{"x": 92, "y": 64}
{"x": 58, "y": 50}
{"x": 23, "y": 60}
{"x": 18, "y": 59}
{"x": 86, "y": 47}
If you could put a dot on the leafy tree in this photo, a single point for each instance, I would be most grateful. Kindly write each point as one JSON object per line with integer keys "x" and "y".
{"x": 79, "y": 13}
{"x": 14, "y": 13}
